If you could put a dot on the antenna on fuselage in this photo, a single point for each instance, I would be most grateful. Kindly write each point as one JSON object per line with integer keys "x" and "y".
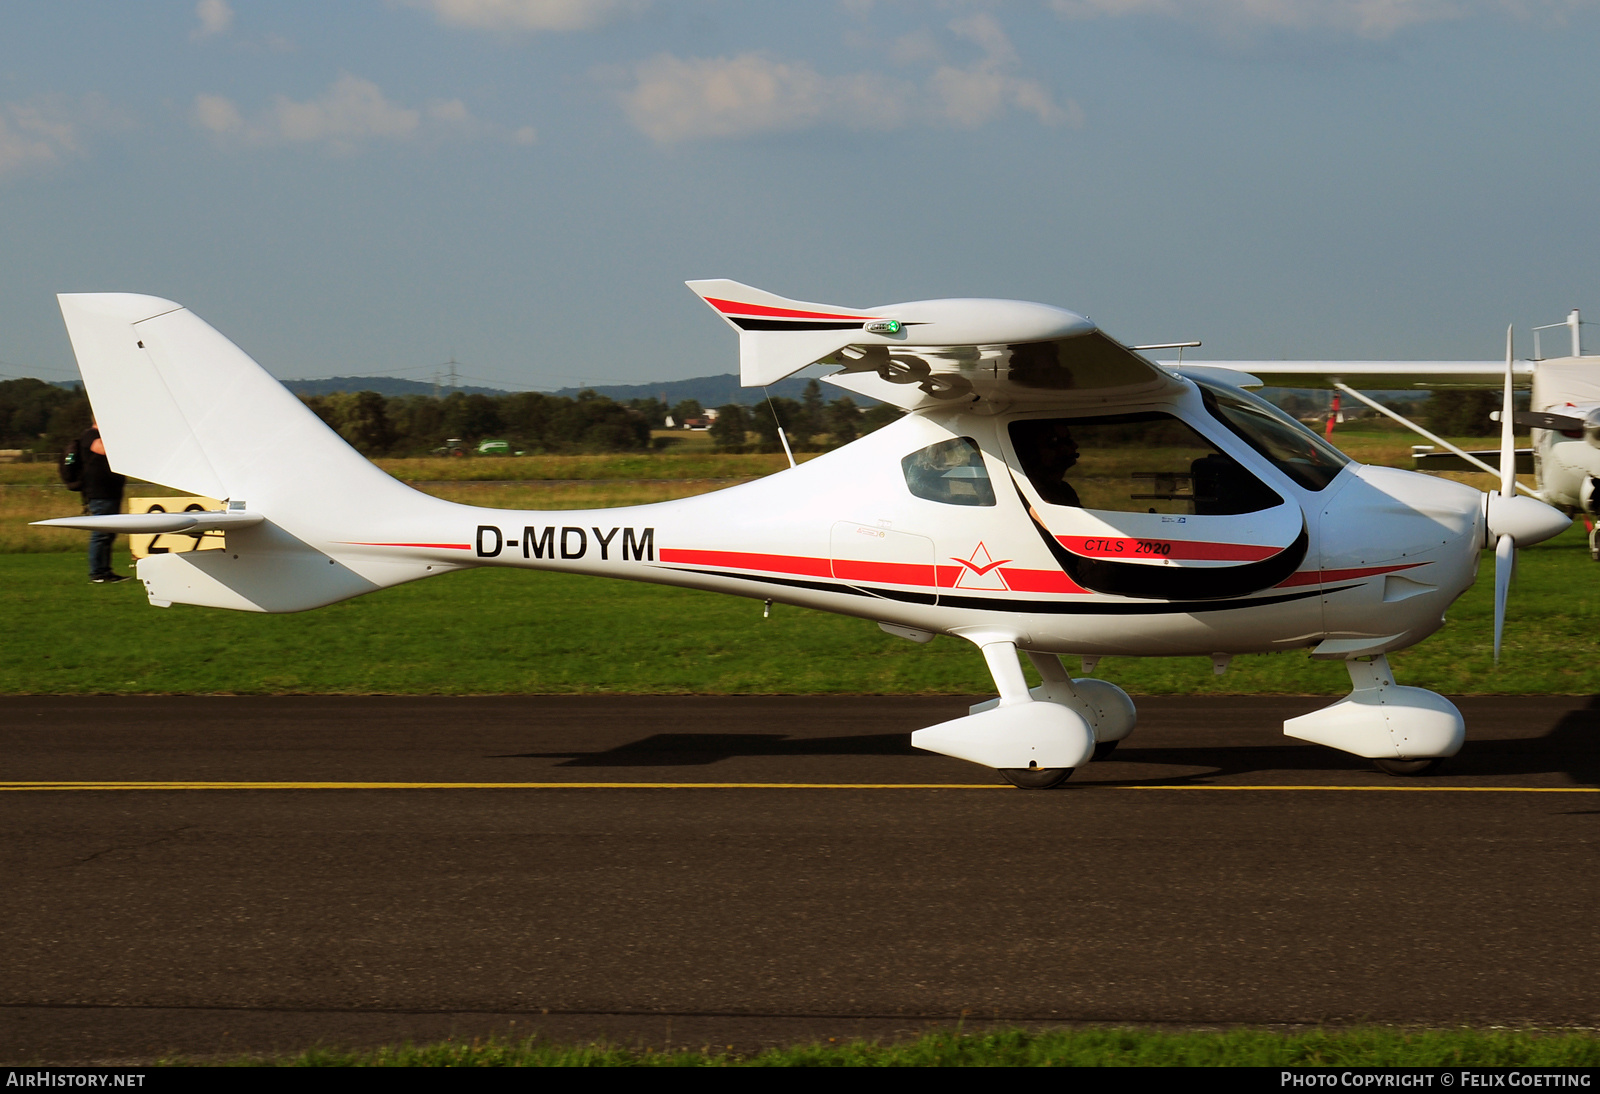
{"x": 782, "y": 438}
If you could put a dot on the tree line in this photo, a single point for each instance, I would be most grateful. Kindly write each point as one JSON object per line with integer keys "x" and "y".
{"x": 43, "y": 418}
{"x": 530, "y": 421}
{"x": 809, "y": 424}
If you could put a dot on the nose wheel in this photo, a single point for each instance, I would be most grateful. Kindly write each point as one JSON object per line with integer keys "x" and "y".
{"x": 1036, "y": 778}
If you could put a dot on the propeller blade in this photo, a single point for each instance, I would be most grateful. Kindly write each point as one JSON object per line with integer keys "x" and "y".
{"x": 1508, "y": 443}
{"x": 1505, "y": 563}
{"x": 1543, "y": 419}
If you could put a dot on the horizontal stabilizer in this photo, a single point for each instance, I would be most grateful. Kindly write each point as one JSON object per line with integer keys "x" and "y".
{"x": 157, "y": 523}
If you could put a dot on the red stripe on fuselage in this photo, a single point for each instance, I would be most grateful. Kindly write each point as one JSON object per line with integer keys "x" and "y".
{"x": 1040, "y": 581}
{"x": 891, "y": 573}
{"x": 734, "y": 307}
{"x": 745, "y": 560}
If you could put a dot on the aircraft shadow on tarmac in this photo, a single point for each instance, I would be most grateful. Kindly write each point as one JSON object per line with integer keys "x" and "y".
{"x": 696, "y": 749}
{"x": 1571, "y": 747}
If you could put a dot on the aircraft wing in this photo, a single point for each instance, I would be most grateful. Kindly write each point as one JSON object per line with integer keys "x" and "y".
{"x": 1380, "y": 375}
{"x": 1057, "y": 371}
{"x": 926, "y": 353}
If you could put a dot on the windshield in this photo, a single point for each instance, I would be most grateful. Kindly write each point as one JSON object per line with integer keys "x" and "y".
{"x": 1293, "y": 449}
{"x": 1147, "y": 462}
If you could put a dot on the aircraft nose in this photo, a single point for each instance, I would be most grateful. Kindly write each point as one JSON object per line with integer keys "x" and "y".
{"x": 1526, "y": 520}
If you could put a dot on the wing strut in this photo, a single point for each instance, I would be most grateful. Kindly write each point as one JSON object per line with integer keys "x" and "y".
{"x": 1468, "y": 456}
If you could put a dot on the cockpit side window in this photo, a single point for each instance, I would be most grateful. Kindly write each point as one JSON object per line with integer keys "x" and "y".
{"x": 1295, "y": 450}
{"x": 951, "y": 472}
{"x": 1148, "y": 462}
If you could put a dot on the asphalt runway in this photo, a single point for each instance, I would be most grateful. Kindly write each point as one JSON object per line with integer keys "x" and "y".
{"x": 1212, "y": 872}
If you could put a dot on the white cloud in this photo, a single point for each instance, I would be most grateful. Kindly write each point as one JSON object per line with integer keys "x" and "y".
{"x": 530, "y": 15}
{"x": 1376, "y": 19}
{"x": 675, "y": 99}
{"x": 217, "y": 114}
{"x": 215, "y": 16}
{"x": 29, "y": 139}
{"x": 978, "y": 93}
{"x": 352, "y": 113}
{"x": 44, "y": 131}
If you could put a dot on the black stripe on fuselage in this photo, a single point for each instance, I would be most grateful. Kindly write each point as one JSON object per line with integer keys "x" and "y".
{"x": 789, "y": 324}
{"x": 1039, "y": 607}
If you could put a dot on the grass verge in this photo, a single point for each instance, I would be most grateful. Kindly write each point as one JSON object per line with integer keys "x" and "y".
{"x": 1018, "y": 1048}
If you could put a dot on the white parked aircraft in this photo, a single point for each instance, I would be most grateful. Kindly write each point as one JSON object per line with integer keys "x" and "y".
{"x": 1051, "y": 491}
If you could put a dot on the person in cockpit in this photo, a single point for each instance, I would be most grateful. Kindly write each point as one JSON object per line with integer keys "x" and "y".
{"x": 1054, "y": 452}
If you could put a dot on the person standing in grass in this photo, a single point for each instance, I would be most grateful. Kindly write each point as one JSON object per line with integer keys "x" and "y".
{"x": 102, "y": 496}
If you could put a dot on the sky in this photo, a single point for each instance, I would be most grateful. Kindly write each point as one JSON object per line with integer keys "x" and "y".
{"x": 522, "y": 186}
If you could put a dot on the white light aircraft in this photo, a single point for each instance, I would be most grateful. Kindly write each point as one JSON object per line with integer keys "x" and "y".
{"x": 1050, "y": 491}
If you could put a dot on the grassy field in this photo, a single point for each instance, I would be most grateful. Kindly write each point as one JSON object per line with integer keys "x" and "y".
{"x": 510, "y": 632}
{"x": 1017, "y": 1048}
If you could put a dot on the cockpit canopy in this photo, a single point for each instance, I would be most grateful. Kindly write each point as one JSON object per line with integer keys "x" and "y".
{"x": 1145, "y": 462}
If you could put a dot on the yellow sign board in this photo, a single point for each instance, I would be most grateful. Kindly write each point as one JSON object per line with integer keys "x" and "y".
{"x": 173, "y": 542}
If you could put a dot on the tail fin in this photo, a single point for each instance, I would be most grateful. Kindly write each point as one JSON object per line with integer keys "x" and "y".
{"x": 180, "y": 405}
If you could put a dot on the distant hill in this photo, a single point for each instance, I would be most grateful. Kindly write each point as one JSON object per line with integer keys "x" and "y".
{"x": 383, "y": 385}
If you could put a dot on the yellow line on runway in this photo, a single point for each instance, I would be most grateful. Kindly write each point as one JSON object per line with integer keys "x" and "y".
{"x": 1228, "y": 786}
{"x": 488, "y": 786}
{"x": 15, "y": 786}
{"x": 1384, "y": 789}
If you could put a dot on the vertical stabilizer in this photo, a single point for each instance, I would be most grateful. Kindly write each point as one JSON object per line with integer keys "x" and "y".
{"x": 180, "y": 405}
